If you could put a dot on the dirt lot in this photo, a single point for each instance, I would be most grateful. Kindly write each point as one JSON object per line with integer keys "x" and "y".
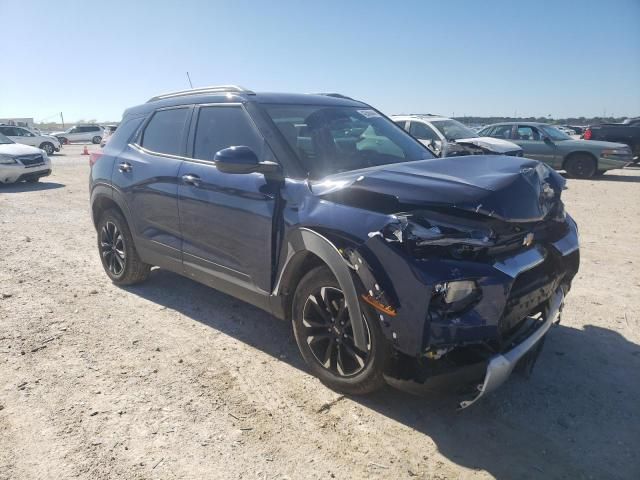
{"x": 171, "y": 379}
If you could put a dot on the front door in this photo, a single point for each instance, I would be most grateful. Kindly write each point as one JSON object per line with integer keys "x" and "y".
{"x": 226, "y": 219}
{"x": 532, "y": 141}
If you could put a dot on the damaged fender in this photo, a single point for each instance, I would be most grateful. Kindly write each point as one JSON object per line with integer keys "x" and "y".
{"x": 305, "y": 239}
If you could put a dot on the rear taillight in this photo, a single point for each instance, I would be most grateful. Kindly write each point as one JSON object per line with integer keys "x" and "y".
{"x": 587, "y": 134}
{"x": 94, "y": 157}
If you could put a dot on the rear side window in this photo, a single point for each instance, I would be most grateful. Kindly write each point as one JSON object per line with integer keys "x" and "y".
{"x": 223, "y": 127}
{"x": 163, "y": 133}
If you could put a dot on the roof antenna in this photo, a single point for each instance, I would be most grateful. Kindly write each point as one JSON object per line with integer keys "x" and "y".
{"x": 189, "y": 78}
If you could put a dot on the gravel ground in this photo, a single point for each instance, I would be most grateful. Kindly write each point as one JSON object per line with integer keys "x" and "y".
{"x": 170, "y": 379}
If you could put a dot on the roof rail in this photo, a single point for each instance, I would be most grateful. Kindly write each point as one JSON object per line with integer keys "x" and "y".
{"x": 202, "y": 90}
{"x": 335, "y": 95}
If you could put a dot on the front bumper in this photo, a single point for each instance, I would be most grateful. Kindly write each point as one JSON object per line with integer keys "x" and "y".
{"x": 614, "y": 162}
{"x": 517, "y": 292}
{"x": 19, "y": 173}
{"x": 501, "y": 365}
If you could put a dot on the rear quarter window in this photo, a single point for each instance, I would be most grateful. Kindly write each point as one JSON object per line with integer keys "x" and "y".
{"x": 123, "y": 135}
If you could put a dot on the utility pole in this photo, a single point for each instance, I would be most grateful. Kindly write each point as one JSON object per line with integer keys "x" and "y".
{"x": 62, "y": 118}
{"x": 189, "y": 78}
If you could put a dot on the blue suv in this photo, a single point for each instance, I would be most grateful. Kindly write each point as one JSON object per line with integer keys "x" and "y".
{"x": 393, "y": 266}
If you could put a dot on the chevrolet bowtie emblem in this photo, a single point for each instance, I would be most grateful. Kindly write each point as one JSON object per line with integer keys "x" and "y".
{"x": 527, "y": 241}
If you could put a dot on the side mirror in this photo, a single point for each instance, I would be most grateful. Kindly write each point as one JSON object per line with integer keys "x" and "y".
{"x": 242, "y": 159}
{"x": 547, "y": 140}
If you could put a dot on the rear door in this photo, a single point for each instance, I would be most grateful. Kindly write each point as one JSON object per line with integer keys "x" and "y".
{"x": 531, "y": 139}
{"x": 146, "y": 173}
{"x": 26, "y": 137}
{"x": 226, "y": 219}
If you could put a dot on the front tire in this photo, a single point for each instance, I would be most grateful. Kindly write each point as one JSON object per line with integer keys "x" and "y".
{"x": 48, "y": 147}
{"x": 118, "y": 253}
{"x": 323, "y": 332}
{"x": 581, "y": 166}
{"x": 96, "y": 140}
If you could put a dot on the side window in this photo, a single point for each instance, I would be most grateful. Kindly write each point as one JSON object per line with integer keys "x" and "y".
{"x": 422, "y": 131}
{"x": 75, "y": 130}
{"x": 4, "y": 131}
{"x": 400, "y": 123}
{"x": 93, "y": 129}
{"x": 24, "y": 133}
{"x": 223, "y": 127}
{"x": 525, "y": 132}
{"x": 501, "y": 131}
{"x": 163, "y": 133}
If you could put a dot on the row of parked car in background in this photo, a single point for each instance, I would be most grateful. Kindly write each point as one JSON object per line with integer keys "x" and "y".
{"x": 581, "y": 151}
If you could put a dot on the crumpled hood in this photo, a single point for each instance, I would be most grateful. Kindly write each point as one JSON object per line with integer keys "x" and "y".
{"x": 17, "y": 149}
{"x": 492, "y": 144}
{"x": 508, "y": 188}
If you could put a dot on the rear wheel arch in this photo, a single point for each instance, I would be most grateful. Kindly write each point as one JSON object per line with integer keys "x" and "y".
{"x": 101, "y": 204}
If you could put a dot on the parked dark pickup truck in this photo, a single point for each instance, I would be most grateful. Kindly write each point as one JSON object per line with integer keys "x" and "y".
{"x": 627, "y": 132}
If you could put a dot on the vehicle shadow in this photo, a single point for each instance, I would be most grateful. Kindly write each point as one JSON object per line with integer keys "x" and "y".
{"x": 556, "y": 424}
{"x": 612, "y": 177}
{"x": 29, "y": 187}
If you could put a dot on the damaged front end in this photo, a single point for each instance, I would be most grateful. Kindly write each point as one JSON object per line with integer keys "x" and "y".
{"x": 466, "y": 288}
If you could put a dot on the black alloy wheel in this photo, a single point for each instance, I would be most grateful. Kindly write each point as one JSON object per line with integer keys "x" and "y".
{"x": 328, "y": 332}
{"x": 113, "y": 248}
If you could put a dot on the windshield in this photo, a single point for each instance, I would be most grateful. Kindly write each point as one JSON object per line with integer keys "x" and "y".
{"x": 4, "y": 139}
{"x": 329, "y": 140}
{"x": 453, "y": 130}
{"x": 555, "y": 134}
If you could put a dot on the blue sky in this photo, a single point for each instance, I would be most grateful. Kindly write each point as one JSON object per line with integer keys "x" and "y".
{"x": 91, "y": 60}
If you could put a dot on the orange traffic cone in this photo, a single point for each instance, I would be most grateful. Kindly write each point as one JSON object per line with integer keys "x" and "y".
{"x": 85, "y": 151}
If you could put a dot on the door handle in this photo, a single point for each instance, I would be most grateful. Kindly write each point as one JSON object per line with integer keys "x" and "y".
{"x": 124, "y": 167}
{"x": 190, "y": 179}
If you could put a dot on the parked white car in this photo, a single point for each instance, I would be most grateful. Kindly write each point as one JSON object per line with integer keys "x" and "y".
{"x": 446, "y": 137}
{"x": 21, "y": 162}
{"x": 25, "y": 136}
{"x": 81, "y": 133}
{"x": 108, "y": 131}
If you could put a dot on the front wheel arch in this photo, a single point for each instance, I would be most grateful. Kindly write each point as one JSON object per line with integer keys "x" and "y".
{"x": 307, "y": 240}
{"x": 573, "y": 155}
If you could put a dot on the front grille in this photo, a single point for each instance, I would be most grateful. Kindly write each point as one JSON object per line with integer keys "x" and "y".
{"x": 31, "y": 160}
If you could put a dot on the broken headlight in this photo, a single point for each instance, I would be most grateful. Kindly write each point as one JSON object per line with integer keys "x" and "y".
{"x": 420, "y": 231}
{"x": 455, "y": 296}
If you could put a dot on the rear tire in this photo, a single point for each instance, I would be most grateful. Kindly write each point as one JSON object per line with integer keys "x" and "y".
{"x": 96, "y": 140}
{"x": 581, "y": 165}
{"x": 118, "y": 253}
{"x": 321, "y": 326}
